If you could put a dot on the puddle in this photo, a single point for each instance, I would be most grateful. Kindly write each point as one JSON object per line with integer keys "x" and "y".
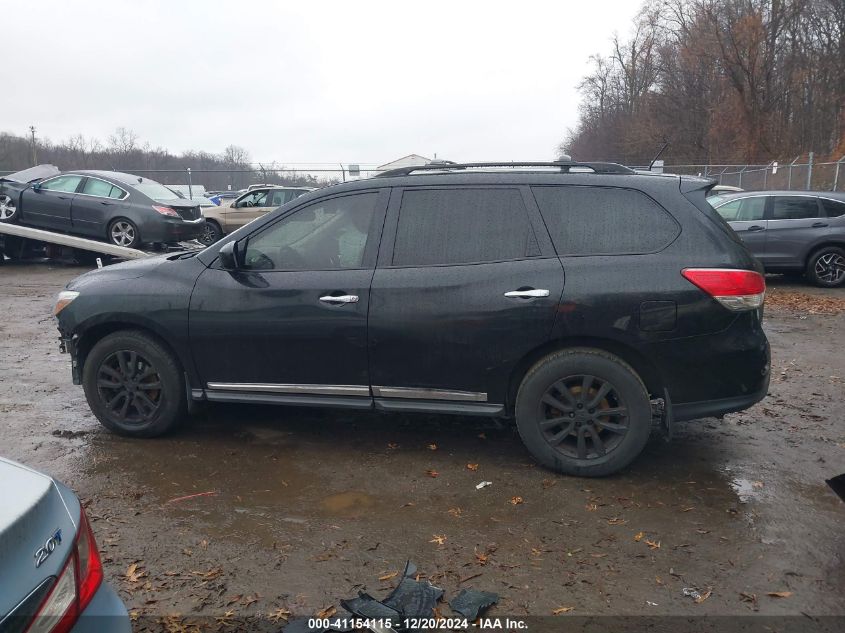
{"x": 746, "y": 490}
{"x": 349, "y": 504}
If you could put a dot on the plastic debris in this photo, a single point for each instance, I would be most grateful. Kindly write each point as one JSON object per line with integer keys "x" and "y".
{"x": 690, "y": 592}
{"x": 483, "y": 484}
{"x": 471, "y": 603}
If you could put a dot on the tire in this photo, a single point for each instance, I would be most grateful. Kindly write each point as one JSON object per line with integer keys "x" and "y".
{"x": 8, "y": 209}
{"x": 554, "y": 435}
{"x": 826, "y": 267}
{"x": 124, "y": 365}
{"x": 211, "y": 233}
{"x": 123, "y": 232}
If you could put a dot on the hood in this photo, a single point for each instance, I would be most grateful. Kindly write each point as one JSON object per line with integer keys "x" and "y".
{"x": 39, "y": 172}
{"x": 33, "y": 509}
{"x": 118, "y": 272}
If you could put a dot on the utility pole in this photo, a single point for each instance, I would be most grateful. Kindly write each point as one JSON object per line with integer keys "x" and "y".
{"x": 32, "y": 144}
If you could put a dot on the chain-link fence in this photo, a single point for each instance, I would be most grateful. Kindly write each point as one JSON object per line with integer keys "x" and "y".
{"x": 802, "y": 173}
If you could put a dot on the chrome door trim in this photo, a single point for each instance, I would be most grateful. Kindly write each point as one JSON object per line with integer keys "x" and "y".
{"x": 320, "y": 390}
{"x": 422, "y": 393}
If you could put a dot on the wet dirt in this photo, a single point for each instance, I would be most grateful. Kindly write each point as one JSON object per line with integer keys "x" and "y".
{"x": 254, "y": 509}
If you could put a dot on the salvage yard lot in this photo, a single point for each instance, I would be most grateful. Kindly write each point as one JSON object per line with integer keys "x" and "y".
{"x": 253, "y": 510}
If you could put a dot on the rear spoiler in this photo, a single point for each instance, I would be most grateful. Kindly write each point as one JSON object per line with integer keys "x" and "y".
{"x": 689, "y": 184}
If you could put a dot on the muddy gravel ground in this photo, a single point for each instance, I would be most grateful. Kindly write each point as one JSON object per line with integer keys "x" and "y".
{"x": 257, "y": 511}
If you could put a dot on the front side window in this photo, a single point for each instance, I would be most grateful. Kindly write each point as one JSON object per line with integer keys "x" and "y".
{"x": 795, "y": 208}
{"x": 67, "y": 184}
{"x": 743, "y": 210}
{"x": 327, "y": 235}
{"x": 256, "y": 198}
{"x": 833, "y": 208}
{"x": 586, "y": 220}
{"x": 462, "y": 226}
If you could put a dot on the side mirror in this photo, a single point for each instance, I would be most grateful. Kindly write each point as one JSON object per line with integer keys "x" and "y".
{"x": 229, "y": 255}
{"x": 36, "y": 186}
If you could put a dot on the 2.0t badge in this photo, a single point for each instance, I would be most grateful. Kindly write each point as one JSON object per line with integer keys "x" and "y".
{"x": 43, "y": 553}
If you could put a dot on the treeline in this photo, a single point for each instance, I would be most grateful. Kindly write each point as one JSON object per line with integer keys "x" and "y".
{"x": 124, "y": 151}
{"x": 723, "y": 81}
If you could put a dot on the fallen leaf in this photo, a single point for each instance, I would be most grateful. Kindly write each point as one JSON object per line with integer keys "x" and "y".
{"x": 639, "y": 536}
{"x": 389, "y": 576}
{"x": 327, "y": 612}
{"x": 472, "y": 467}
{"x": 560, "y": 610}
{"x": 757, "y": 484}
{"x": 432, "y": 447}
{"x": 748, "y": 597}
{"x": 439, "y": 539}
{"x": 703, "y": 596}
{"x": 702, "y": 531}
{"x": 432, "y": 473}
{"x": 779, "y": 594}
{"x": 516, "y": 500}
{"x": 133, "y": 574}
{"x": 456, "y": 512}
{"x": 481, "y": 557}
{"x": 279, "y": 614}
{"x": 653, "y": 544}
{"x": 688, "y": 508}
{"x": 616, "y": 521}
{"x": 591, "y": 507}
{"x": 392, "y": 446}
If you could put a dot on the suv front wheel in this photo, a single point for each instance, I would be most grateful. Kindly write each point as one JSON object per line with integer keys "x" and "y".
{"x": 583, "y": 412}
{"x": 134, "y": 385}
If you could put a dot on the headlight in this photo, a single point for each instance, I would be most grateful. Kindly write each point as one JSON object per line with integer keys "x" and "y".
{"x": 63, "y": 300}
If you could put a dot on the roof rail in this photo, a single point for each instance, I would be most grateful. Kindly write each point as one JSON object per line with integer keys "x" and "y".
{"x": 564, "y": 166}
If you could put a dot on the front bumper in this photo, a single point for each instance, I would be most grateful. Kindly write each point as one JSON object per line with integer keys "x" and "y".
{"x": 67, "y": 345}
{"x": 105, "y": 612}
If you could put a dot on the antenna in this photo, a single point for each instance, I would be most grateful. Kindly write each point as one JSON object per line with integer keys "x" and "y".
{"x": 662, "y": 149}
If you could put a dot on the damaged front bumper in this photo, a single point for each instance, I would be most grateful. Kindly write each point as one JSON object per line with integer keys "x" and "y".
{"x": 67, "y": 345}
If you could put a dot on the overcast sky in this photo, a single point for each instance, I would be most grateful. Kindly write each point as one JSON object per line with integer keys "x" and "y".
{"x": 354, "y": 81}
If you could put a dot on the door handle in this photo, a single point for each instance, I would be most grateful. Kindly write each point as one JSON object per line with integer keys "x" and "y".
{"x": 340, "y": 299}
{"x": 527, "y": 294}
{"x": 818, "y": 225}
{"x": 756, "y": 227}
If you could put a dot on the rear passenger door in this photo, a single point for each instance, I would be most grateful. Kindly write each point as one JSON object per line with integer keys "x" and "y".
{"x": 795, "y": 222}
{"x": 466, "y": 285}
{"x": 747, "y": 217}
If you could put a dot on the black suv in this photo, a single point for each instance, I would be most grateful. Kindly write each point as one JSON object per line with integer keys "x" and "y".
{"x": 585, "y": 301}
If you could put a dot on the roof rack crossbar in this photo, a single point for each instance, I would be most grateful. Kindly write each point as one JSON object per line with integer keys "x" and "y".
{"x": 564, "y": 166}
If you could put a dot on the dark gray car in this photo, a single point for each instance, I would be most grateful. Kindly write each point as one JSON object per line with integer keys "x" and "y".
{"x": 123, "y": 209}
{"x": 791, "y": 232}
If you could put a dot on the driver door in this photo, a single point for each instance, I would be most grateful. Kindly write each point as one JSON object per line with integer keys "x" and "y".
{"x": 247, "y": 208}
{"x": 291, "y": 322}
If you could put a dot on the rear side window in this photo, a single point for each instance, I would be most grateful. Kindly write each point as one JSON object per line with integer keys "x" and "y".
{"x": 462, "y": 226}
{"x": 833, "y": 208}
{"x": 604, "y": 220}
{"x": 794, "y": 208}
{"x": 743, "y": 210}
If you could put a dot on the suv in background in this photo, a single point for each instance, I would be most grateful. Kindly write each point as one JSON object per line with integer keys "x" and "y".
{"x": 251, "y": 205}
{"x": 791, "y": 232}
{"x": 583, "y": 300}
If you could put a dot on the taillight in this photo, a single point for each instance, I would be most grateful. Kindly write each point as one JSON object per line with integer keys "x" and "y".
{"x": 76, "y": 586}
{"x": 166, "y": 211}
{"x": 735, "y": 289}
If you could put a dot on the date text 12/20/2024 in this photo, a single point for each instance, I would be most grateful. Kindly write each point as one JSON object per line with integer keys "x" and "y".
{"x": 415, "y": 624}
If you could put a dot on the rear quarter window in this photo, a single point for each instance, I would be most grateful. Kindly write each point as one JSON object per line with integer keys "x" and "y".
{"x": 584, "y": 220}
{"x": 833, "y": 208}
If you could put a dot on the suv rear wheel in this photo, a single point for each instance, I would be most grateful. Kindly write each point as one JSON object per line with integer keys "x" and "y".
{"x": 826, "y": 267}
{"x": 134, "y": 385}
{"x": 583, "y": 412}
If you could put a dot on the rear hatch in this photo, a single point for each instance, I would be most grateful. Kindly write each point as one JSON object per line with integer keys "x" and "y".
{"x": 34, "y": 514}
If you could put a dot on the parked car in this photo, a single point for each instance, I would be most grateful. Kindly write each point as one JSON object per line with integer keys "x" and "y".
{"x": 586, "y": 306}
{"x": 722, "y": 189}
{"x": 791, "y": 232}
{"x": 120, "y": 208}
{"x": 251, "y": 205}
{"x": 52, "y": 577}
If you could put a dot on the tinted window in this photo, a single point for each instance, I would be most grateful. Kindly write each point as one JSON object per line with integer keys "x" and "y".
{"x": 794, "y": 208}
{"x": 604, "y": 221}
{"x": 833, "y": 208}
{"x": 326, "y": 235}
{"x": 462, "y": 226}
{"x": 253, "y": 199}
{"x": 67, "y": 184}
{"x": 746, "y": 209}
{"x": 101, "y": 188}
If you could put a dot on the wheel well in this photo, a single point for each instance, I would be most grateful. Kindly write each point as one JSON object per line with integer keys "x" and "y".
{"x": 819, "y": 247}
{"x": 92, "y": 335}
{"x": 647, "y": 371}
